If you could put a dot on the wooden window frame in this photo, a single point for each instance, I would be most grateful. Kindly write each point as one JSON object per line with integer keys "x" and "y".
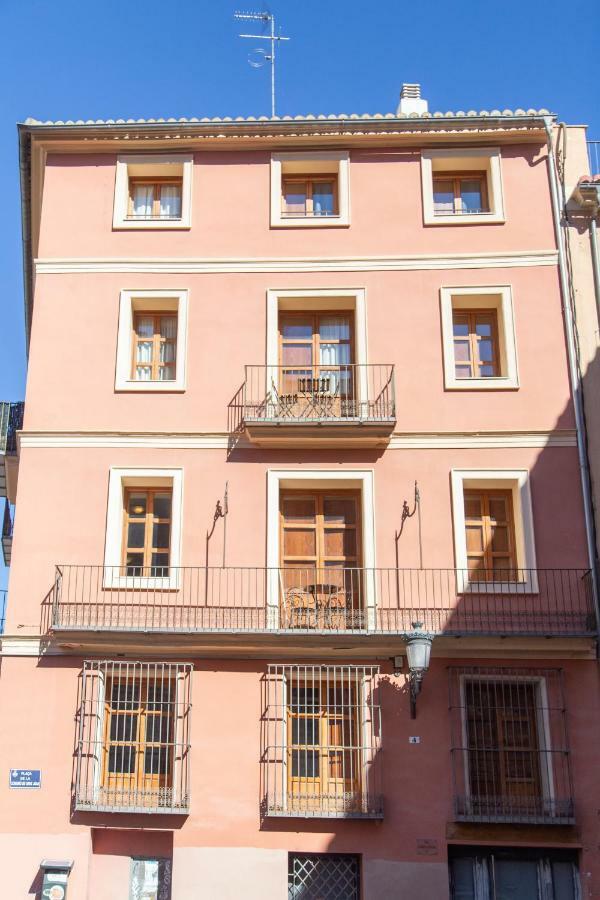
{"x": 310, "y": 180}
{"x": 498, "y": 716}
{"x": 456, "y": 178}
{"x": 315, "y": 344}
{"x": 320, "y": 527}
{"x": 149, "y": 521}
{"x": 306, "y": 791}
{"x": 139, "y": 781}
{"x": 488, "y": 555}
{"x": 474, "y": 362}
{"x": 157, "y": 340}
{"x": 157, "y": 183}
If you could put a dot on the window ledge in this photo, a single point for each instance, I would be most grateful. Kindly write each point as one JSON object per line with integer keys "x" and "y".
{"x": 153, "y": 224}
{"x": 482, "y": 384}
{"x": 475, "y": 219}
{"x": 310, "y": 222}
{"x": 150, "y": 387}
{"x": 139, "y": 583}
{"x": 529, "y": 586}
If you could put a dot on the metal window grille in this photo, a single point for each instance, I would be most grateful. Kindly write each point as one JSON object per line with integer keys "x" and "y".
{"x": 321, "y": 741}
{"x": 323, "y": 876}
{"x": 510, "y": 753}
{"x": 133, "y": 739}
{"x": 477, "y": 873}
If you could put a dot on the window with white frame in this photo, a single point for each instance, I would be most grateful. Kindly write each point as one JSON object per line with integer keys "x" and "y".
{"x": 310, "y": 189}
{"x": 143, "y": 528}
{"x": 462, "y": 186}
{"x": 151, "y": 341}
{"x": 479, "y": 342}
{"x": 493, "y": 530}
{"x": 153, "y": 191}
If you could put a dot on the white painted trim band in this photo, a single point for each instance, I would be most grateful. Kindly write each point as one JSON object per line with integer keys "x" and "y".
{"x": 205, "y": 266}
{"x": 221, "y": 441}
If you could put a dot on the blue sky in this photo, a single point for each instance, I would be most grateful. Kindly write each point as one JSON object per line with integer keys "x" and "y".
{"x": 122, "y": 59}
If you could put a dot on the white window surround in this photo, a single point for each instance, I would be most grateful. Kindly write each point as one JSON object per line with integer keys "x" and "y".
{"x": 320, "y": 479}
{"x": 160, "y": 164}
{"x": 352, "y": 299}
{"x": 517, "y": 481}
{"x": 498, "y": 297}
{"x": 119, "y": 479}
{"x": 311, "y": 162}
{"x": 469, "y": 159}
{"x": 150, "y": 301}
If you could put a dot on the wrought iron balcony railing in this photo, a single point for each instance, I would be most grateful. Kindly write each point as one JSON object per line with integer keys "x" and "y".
{"x": 11, "y": 421}
{"x": 317, "y": 394}
{"x": 594, "y": 156}
{"x": 546, "y": 602}
{"x": 7, "y": 533}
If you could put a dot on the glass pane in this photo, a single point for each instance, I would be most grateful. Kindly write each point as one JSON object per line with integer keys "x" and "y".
{"x": 136, "y": 532}
{"x": 305, "y": 764}
{"x": 168, "y": 327}
{"x": 301, "y": 509}
{"x": 516, "y": 879}
{"x": 460, "y": 328}
{"x": 294, "y": 196}
{"x": 144, "y": 352}
{"x": 305, "y": 699}
{"x": 157, "y": 761}
{"x": 157, "y": 729}
{"x": 470, "y": 195}
{"x": 121, "y": 760}
{"x": 487, "y": 371}
{"x": 144, "y": 326}
{"x": 562, "y": 876}
{"x": 123, "y": 727}
{"x": 483, "y": 329}
{"x": 334, "y": 354}
{"x": 443, "y": 196}
{"x": 145, "y": 882}
{"x": 160, "y": 565}
{"x": 137, "y": 505}
{"x": 296, "y": 355}
{"x": 334, "y": 328}
{"x": 323, "y": 198}
{"x": 143, "y": 373}
{"x": 463, "y": 884}
{"x": 463, "y": 371}
{"x": 486, "y": 350}
{"x": 296, "y": 329}
{"x": 160, "y": 535}
{"x": 305, "y": 731}
{"x": 170, "y": 201}
{"x": 167, "y": 352}
{"x": 159, "y": 696}
{"x": 162, "y": 506}
{"x": 462, "y": 351}
{"x": 166, "y": 373}
{"x": 299, "y": 542}
{"x": 143, "y": 198}
{"x": 135, "y": 564}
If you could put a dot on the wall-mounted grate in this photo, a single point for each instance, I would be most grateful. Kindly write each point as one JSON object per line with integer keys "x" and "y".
{"x": 323, "y": 876}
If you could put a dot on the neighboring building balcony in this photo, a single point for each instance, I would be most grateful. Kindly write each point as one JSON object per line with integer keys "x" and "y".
{"x": 11, "y": 421}
{"x": 322, "y": 601}
{"x": 342, "y": 405}
{"x": 510, "y": 755}
{"x": 2, "y": 610}
{"x": 7, "y": 533}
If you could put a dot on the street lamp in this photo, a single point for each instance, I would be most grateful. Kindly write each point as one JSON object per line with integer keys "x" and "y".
{"x": 418, "y": 653}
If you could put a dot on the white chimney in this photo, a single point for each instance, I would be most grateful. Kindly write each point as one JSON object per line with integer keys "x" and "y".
{"x": 410, "y": 100}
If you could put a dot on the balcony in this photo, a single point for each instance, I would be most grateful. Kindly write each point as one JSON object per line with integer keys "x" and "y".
{"x": 594, "y": 157}
{"x": 344, "y": 602}
{"x": 11, "y": 421}
{"x": 2, "y": 610}
{"x": 7, "y": 533}
{"x": 343, "y": 405}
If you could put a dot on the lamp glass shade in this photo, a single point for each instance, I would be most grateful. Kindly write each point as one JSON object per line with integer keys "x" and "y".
{"x": 418, "y": 653}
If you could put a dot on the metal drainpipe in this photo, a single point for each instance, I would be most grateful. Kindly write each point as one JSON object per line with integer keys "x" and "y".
{"x": 573, "y": 372}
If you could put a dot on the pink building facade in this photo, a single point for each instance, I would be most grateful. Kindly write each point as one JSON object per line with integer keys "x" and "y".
{"x": 300, "y": 319}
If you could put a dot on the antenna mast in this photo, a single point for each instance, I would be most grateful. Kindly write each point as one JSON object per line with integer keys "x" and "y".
{"x": 261, "y": 56}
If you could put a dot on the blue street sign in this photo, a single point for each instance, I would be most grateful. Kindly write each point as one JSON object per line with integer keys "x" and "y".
{"x": 25, "y": 778}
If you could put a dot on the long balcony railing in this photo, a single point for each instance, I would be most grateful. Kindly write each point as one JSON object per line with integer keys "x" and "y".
{"x": 11, "y": 421}
{"x": 7, "y": 533}
{"x": 594, "y": 157}
{"x": 552, "y": 602}
{"x": 317, "y": 394}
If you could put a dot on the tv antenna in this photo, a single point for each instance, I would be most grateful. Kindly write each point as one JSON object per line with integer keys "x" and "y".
{"x": 258, "y": 57}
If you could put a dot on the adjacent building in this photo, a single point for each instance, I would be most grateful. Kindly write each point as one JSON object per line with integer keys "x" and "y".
{"x": 303, "y": 598}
